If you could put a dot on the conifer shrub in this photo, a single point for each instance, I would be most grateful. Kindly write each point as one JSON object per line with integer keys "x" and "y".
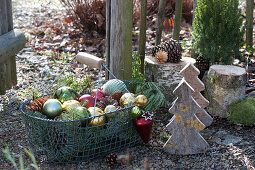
{"x": 217, "y": 30}
{"x": 242, "y": 112}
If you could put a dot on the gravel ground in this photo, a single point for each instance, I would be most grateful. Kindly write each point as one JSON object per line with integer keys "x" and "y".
{"x": 231, "y": 146}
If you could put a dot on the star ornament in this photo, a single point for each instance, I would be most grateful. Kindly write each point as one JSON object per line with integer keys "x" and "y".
{"x": 147, "y": 115}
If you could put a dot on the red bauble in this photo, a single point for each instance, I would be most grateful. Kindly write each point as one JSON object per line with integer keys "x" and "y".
{"x": 90, "y": 100}
{"x": 99, "y": 94}
{"x": 143, "y": 127}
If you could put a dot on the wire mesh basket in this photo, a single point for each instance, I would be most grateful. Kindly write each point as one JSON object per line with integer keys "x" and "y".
{"x": 79, "y": 140}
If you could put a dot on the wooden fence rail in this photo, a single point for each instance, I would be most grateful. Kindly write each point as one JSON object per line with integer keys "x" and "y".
{"x": 11, "y": 42}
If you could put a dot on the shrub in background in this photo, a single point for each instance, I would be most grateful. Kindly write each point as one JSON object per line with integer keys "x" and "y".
{"x": 242, "y": 112}
{"x": 217, "y": 30}
{"x": 89, "y": 15}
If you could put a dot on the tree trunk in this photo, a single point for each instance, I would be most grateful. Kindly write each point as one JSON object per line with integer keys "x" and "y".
{"x": 194, "y": 8}
{"x": 161, "y": 16}
{"x": 177, "y": 19}
{"x": 108, "y": 30}
{"x": 249, "y": 18}
{"x": 142, "y": 34}
{"x": 121, "y": 38}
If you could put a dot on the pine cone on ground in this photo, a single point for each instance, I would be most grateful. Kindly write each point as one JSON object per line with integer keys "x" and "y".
{"x": 202, "y": 63}
{"x": 173, "y": 49}
{"x": 105, "y": 101}
{"x": 37, "y": 105}
{"x": 111, "y": 160}
{"x": 116, "y": 96}
{"x": 161, "y": 57}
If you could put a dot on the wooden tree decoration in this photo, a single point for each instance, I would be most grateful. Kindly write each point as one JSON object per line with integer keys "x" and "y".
{"x": 185, "y": 125}
{"x": 190, "y": 74}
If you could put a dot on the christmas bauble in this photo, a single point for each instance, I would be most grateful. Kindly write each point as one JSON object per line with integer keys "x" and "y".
{"x": 88, "y": 100}
{"x": 97, "y": 121}
{"x": 110, "y": 108}
{"x": 127, "y": 99}
{"x": 141, "y": 100}
{"x": 66, "y": 93}
{"x": 70, "y": 104}
{"x": 97, "y": 93}
{"x": 113, "y": 86}
{"x": 135, "y": 112}
{"x": 52, "y": 108}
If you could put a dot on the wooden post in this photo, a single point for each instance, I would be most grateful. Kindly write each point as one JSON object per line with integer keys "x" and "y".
{"x": 8, "y": 79}
{"x": 142, "y": 33}
{"x": 190, "y": 74}
{"x": 11, "y": 41}
{"x": 2, "y": 78}
{"x": 9, "y": 14}
{"x": 184, "y": 125}
{"x": 13, "y": 57}
{"x": 161, "y": 16}
{"x": 249, "y": 20}
{"x": 3, "y": 17}
{"x": 108, "y": 31}
{"x": 177, "y": 20}
{"x": 121, "y": 39}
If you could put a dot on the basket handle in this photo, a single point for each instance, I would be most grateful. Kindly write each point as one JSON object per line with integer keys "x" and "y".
{"x": 90, "y": 60}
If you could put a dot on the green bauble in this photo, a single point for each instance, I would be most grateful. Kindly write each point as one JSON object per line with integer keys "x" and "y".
{"x": 113, "y": 86}
{"x": 110, "y": 108}
{"x": 135, "y": 112}
{"x": 76, "y": 113}
{"x": 52, "y": 108}
{"x": 66, "y": 93}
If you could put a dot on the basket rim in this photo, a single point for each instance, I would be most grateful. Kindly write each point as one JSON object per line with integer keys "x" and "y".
{"x": 22, "y": 110}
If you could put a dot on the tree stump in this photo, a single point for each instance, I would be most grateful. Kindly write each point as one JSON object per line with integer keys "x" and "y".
{"x": 166, "y": 74}
{"x": 224, "y": 85}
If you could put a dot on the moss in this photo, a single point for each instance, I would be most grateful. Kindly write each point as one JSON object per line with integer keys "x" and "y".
{"x": 242, "y": 112}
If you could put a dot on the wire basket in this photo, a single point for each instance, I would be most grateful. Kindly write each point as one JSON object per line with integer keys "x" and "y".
{"x": 78, "y": 140}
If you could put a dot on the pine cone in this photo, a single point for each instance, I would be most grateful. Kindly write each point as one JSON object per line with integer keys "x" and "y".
{"x": 161, "y": 57}
{"x": 37, "y": 105}
{"x": 111, "y": 159}
{"x": 105, "y": 101}
{"x": 116, "y": 96}
{"x": 202, "y": 63}
{"x": 173, "y": 49}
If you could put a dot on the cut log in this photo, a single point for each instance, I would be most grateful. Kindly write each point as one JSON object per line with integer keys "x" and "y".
{"x": 224, "y": 85}
{"x": 166, "y": 74}
{"x": 10, "y": 44}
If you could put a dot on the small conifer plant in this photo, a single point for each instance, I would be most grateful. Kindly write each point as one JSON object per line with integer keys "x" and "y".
{"x": 217, "y": 30}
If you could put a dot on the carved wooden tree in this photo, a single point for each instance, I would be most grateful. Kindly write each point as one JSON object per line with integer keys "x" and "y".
{"x": 184, "y": 125}
{"x": 190, "y": 74}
